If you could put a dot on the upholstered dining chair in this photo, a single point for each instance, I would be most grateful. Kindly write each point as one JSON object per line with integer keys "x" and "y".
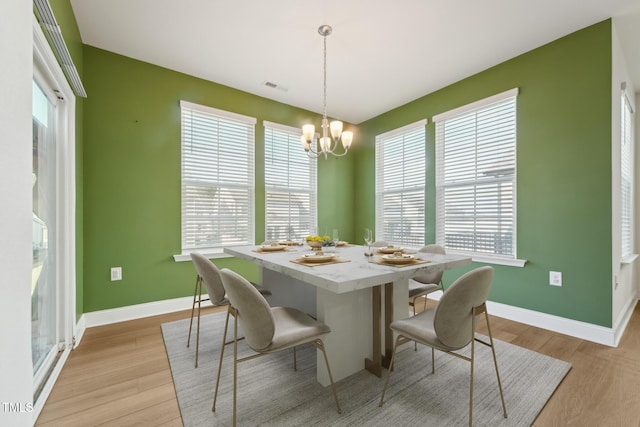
{"x": 451, "y": 325}
{"x": 424, "y": 283}
{"x": 208, "y": 273}
{"x": 267, "y": 329}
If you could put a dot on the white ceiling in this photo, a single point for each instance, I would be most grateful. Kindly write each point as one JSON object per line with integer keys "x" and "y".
{"x": 382, "y": 53}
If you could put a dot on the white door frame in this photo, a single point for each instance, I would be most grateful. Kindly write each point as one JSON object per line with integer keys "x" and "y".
{"x": 45, "y": 61}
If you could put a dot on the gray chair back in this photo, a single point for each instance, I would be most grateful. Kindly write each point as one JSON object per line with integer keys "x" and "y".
{"x": 430, "y": 277}
{"x": 210, "y": 276}
{"x": 453, "y": 316}
{"x": 253, "y": 311}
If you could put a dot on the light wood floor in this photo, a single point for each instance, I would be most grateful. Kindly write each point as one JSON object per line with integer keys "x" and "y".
{"x": 120, "y": 376}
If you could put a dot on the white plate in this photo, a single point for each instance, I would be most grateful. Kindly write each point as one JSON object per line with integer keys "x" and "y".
{"x": 316, "y": 258}
{"x": 402, "y": 259}
{"x": 390, "y": 249}
{"x": 272, "y": 248}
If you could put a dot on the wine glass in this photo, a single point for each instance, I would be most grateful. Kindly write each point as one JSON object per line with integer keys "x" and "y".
{"x": 335, "y": 238}
{"x": 368, "y": 239}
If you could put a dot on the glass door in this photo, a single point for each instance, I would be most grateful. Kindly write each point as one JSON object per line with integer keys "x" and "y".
{"x": 44, "y": 283}
{"x": 53, "y": 306}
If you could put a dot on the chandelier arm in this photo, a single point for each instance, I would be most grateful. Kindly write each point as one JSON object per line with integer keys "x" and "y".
{"x": 333, "y": 145}
{"x": 330, "y": 151}
{"x": 314, "y": 155}
{"x": 341, "y": 154}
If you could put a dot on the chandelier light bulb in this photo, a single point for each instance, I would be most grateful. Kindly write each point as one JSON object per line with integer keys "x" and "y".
{"x": 336, "y": 130}
{"x": 347, "y": 138}
{"x": 309, "y": 132}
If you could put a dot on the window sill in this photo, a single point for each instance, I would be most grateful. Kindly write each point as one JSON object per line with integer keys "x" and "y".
{"x": 209, "y": 253}
{"x": 512, "y": 262}
{"x": 486, "y": 259}
{"x": 629, "y": 259}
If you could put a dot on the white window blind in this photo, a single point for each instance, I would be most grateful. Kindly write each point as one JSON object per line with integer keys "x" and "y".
{"x": 476, "y": 176}
{"x": 400, "y": 185}
{"x": 626, "y": 178}
{"x": 290, "y": 184}
{"x": 217, "y": 178}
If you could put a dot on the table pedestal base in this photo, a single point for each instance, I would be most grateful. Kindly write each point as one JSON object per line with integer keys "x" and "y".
{"x": 359, "y": 321}
{"x": 383, "y": 359}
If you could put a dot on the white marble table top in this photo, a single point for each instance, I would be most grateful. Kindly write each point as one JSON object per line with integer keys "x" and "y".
{"x": 343, "y": 277}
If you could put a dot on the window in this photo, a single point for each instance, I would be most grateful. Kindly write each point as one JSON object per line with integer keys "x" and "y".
{"x": 290, "y": 184}
{"x": 217, "y": 178}
{"x": 400, "y": 185}
{"x": 626, "y": 178}
{"x": 476, "y": 177}
{"x": 44, "y": 283}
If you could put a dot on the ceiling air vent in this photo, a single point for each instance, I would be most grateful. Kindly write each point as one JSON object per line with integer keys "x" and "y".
{"x": 275, "y": 86}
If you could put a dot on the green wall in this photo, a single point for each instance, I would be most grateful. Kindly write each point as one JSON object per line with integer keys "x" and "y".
{"x": 563, "y": 171}
{"x": 132, "y": 177}
{"x": 69, "y": 27}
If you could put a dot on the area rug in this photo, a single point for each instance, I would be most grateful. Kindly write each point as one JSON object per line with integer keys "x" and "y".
{"x": 271, "y": 393}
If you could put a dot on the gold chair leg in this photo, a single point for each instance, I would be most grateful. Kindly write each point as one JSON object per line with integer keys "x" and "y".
{"x": 235, "y": 368}
{"x": 473, "y": 328}
{"x": 320, "y": 344}
{"x": 386, "y": 381}
{"x": 224, "y": 342}
{"x": 198, "y": 327}
{"x": 495, "y": 363}
{"x": 295, "y": 360}
{"x": 415, "y": 343}
{"x": 193, "y": 307}
{"x": 433, "y": 360}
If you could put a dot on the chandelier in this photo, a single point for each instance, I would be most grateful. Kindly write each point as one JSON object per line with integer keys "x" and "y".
{"x": 331, "y": 132}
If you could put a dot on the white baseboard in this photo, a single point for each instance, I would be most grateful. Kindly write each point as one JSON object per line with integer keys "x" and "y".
{"x": 623, "y": 320}
{"x": 81, "y": 326}
{"x": 574, "y": 328}
{"x": 138, "y": 311}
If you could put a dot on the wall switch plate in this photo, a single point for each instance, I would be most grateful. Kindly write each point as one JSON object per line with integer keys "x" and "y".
{"x": 555, "y": 278}
{"x": 116, "y": 273}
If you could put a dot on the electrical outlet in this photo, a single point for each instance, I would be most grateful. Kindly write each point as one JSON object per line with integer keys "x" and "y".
{"x": 116, "y": 273}
{"x": 555, "y": 278}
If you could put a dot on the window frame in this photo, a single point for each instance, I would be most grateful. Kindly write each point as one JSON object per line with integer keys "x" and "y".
{"x": 216, "y": 249}
{"x": 381, "y": 190}
{"x": 627, "y": 173}
{"x": 269, "y": 188}
{"x": 440, "y": 120}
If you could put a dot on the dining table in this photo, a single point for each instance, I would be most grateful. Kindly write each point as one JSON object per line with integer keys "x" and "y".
{"x": 356, "y": 294}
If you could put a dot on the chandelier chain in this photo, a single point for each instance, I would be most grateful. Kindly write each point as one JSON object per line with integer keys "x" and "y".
{"x": 325, "y": 78}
